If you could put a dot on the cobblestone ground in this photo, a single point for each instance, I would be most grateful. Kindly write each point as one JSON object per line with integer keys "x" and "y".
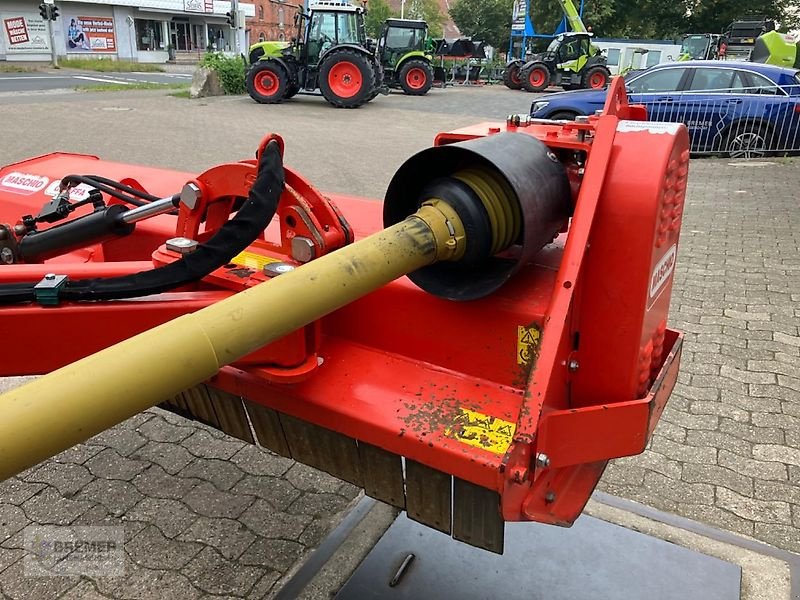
{"x": 206, "y": 515}
{"x": 727, "y": 449}
{"x": 203, "y": 514}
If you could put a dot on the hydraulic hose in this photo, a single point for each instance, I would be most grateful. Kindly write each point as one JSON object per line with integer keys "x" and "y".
{"x": 232, "y": 238}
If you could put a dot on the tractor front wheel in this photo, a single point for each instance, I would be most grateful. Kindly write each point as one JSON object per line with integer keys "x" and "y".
{"x": 266, "y": 82}
{"x": 416, "y": 77}
{"x": 535, "y": 77}
{"x": 347, "y": 79}
{"x": 511, "y": 76}
{"x": 596, "y": 78}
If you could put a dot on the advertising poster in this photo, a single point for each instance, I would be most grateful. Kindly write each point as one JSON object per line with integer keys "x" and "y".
{"x": 24, "y": 33}
{"x": 201, "y": 6}
{"x": 518, "y": 14}
{"x": 90, "y": 34}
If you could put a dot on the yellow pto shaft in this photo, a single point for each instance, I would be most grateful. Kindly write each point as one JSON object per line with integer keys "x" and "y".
{"x": 68, "y": 406}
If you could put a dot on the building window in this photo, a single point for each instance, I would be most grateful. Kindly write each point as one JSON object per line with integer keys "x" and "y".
{"x": 653, "y": 57}
{"x": 149, "y": 35}
{"x": 613, "y": 56}
{"x": 260, "y": 12}
{"x": 262, "y": 37}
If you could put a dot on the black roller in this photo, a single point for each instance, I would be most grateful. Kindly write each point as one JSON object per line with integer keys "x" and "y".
{"x": 535, "y": 178}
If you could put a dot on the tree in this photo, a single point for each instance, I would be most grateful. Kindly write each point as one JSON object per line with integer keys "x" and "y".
{"x": 428, "y": 11}
{"x": 485, "y": 20}
{"x": 377, "y": 12}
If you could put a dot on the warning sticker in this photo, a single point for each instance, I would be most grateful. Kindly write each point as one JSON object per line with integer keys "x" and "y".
{"x": 527, "y": 343}
{"x": 482, "y": 431}
{"x": 253, "y": 260}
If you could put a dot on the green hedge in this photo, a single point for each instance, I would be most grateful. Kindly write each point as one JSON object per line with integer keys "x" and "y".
{"x": 231, "y": 71}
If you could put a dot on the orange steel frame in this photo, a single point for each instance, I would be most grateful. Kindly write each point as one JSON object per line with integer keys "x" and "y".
{"x": 406, "y": 371}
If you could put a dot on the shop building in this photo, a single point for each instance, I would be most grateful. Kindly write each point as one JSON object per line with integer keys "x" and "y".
{"x": 148, "y": 31}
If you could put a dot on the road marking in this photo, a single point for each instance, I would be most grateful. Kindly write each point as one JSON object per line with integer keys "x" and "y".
{"x": 28, "y": 78}
{"x": 102, "y": 80}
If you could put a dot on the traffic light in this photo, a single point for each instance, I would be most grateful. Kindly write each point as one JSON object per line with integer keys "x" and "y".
{"x": 54, "y": 12}
{"x": 230, "y": 17}
{"x": 44, "y": 10}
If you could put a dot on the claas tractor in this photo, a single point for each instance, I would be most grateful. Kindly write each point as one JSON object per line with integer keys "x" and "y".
{"x": 570, "y": 61}
{"x": 703, "y": 46}
{"x": 775, "y": 48}
{"x": 473, "y": 350}
{"x": 329, "y": 54}
{"x": 405, "y": 55}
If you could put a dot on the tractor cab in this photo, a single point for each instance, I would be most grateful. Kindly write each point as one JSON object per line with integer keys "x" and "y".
{"x": 330, "y": 24}
{"x": 404, "y": 51}
{"x": 702, "y": 46}
{"x": 567, "y": 48}
{"x": 400, "y": 36}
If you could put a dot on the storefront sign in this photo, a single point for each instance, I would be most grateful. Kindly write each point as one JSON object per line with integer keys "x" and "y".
{"x": 90, "y": 34}
{"x": 25, "y": 33}
{"x": 201, "y": 6}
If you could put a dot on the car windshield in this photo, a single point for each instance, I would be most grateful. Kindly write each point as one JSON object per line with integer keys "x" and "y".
{"x": 554, "y": 45}
{"x": 695, "y": 46}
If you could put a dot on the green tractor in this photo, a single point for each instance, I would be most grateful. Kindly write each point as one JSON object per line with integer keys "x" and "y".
{"x": 570, "y": 61}
{"x": 405, "y": 55}
{"x": 331, "y": 54}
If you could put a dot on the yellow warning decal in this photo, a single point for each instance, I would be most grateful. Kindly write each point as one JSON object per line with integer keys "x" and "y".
{"x": 482, "y": 431}
{"x": 527, "y": 344}
{"x": 253, "y": 260}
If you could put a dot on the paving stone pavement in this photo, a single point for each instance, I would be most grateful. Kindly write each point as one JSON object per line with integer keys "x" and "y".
{"x": 204, "y": 515}
{"x": 727, "y": 449}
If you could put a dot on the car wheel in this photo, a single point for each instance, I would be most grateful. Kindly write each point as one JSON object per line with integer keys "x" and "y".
{"x": 266, "y": 82}
{"x": 747, "y": 140}
{"x": 563, "y": 115}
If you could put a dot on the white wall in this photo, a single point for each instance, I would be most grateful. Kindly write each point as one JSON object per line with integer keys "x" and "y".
{"x": 669, "y": 52}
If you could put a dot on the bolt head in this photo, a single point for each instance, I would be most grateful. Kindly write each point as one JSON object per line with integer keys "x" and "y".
{"x": 303, "y": 249}
{"x": 573, "y": 365}
{"x": 7, "y": 256}
{"x": 181, "y": 245}
{"x": 190, "y": 194}
{"x": 542, "y": 460}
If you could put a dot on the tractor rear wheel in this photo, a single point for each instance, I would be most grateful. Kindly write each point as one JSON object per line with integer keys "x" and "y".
{"x": 596, "y": 78}
{"x": 511, "y": 76}
{"x": 416, "y": 77}
{"x": 266, "y": 82}
{"x": 535, "y": 77}
{"x": 347, "y": 79}
{"x": 377, "y": 68}
{"x": 292, "y": 90}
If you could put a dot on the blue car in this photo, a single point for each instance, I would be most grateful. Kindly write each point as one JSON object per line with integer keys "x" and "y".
{"x": 739, "y": 109}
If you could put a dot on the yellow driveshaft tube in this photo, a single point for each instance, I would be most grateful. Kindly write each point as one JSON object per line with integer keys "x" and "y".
{"x": 59, "y": 410}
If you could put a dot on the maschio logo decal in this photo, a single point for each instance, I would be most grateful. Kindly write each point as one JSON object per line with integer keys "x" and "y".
{"x": 662, "y": 271}
{"x": 23, "y": 183}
